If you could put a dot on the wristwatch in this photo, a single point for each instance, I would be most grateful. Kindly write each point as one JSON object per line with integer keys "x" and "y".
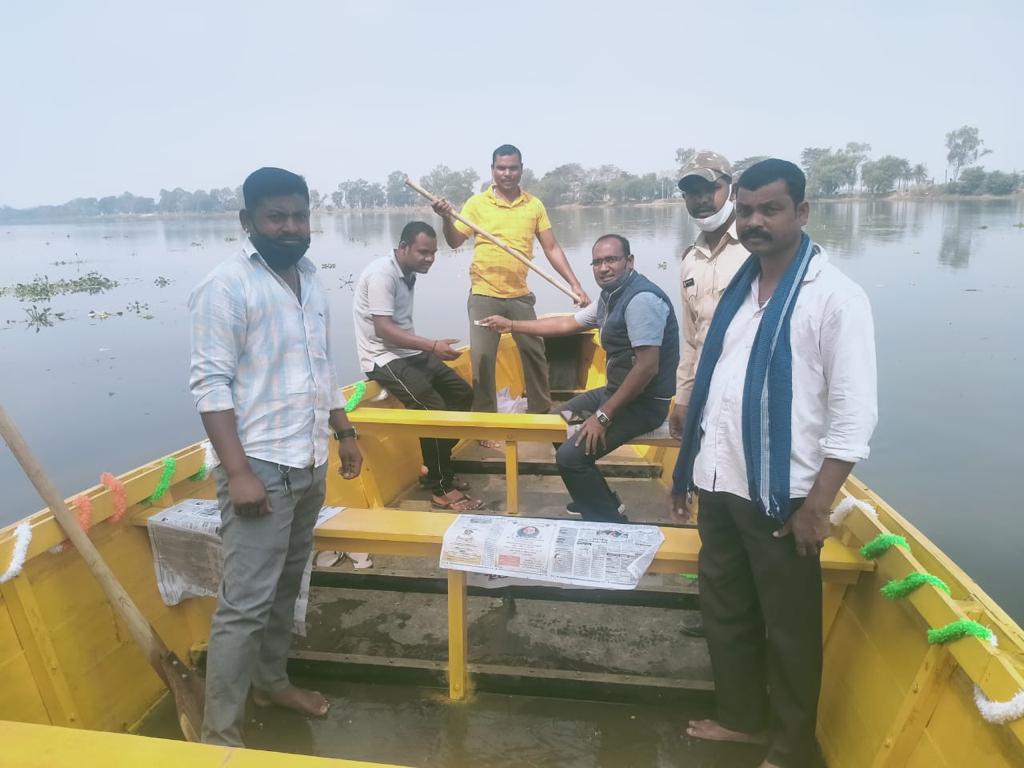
{"x": 341, "y": 434}
{"x": 603, "y": 418}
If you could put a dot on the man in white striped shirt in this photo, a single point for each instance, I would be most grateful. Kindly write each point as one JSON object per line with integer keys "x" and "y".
{"x": 264, "y": 385}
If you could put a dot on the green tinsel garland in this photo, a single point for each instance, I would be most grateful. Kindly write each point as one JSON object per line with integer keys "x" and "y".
{"x": 881, "y": 544}
{"x": 170, "y": 463}
{"x": 958, "y": 629}
{"x": 898, "y": 588}
{"x": 358, "y": 391}
{"x": 201, "y": 474}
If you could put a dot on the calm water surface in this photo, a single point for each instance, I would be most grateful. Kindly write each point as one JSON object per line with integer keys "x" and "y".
{"x": 946, "y": 282}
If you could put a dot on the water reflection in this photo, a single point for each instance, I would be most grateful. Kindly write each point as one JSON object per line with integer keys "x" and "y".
{"x": 940, "y": 346}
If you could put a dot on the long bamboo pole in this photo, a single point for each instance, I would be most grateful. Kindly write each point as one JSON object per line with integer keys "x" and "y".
{"x": 504, "y": 246}
{"x": 182, "y": 682}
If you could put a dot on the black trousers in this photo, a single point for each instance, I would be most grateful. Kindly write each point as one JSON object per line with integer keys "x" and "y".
{"x": 761, "y": 605}
{"x": 423, "y": 382}
{"x": 584, "y": 481}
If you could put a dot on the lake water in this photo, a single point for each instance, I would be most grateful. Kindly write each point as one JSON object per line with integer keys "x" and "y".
{"x": 946, "y": 282}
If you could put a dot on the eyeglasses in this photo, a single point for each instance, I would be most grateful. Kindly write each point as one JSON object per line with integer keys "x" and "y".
{"x": 607, "y": 260}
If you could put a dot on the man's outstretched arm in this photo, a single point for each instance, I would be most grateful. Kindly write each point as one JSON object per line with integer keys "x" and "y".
{"x": 563, "y": 325}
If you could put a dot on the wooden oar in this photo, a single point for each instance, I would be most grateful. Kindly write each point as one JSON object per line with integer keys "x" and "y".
{"x": 504, "y": 246}
{"x": 186, "y": 687}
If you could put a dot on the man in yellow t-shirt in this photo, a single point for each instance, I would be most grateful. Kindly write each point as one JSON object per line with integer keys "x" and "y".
{"x": 498, "y": 281}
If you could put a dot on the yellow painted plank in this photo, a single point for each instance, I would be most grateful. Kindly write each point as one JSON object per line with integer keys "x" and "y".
{"x": 963, "y": 738}
{"x": 9, "y": 645}
{"x": 925, "y": 755}
{"x": 858, "y": 699}
{"x": 916, "y": 710}
{"x": 139, "y": 484}
{"x": 43, "y": 660}
{"x": 115, "y": 692}
{"x": 458, "y": 637}
{"x": 994, "y": 671}
{"x": 937, "y": 562}
{"x": 511, "y": 477}
{"x": 19, "y": 695}
{"x": 380, "y": 527}
{"x": 36, "y": 746}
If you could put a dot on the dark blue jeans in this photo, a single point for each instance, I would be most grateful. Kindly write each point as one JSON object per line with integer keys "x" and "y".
{"x": 584, "y": 481}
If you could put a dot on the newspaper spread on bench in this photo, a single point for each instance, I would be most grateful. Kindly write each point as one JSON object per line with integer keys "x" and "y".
{"x": 188, "y": 558}
{"x": 582, "y": 554}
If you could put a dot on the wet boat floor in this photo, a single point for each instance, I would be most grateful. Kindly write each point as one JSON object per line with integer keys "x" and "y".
{"x": 416, "y": 726}
{"x": 413, "y": 725}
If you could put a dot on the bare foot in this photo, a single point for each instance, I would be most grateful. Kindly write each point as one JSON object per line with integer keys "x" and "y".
{"x": 298, "y": 699}
{"x": 494, "y": 444}
{"x": 712, "y": 730}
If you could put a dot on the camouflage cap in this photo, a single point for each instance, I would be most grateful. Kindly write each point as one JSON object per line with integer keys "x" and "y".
{"x": 708, "y": 165}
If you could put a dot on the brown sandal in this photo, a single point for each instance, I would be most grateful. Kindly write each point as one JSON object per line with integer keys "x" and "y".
{"x": 461, "y": 503}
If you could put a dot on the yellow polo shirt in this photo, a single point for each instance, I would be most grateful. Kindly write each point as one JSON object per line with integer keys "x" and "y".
{"x": 493, "y": 272}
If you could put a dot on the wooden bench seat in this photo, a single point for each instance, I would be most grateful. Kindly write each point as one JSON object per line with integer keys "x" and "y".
{"x": 509, "y": 428}
{"x": 410, "y": 533}
{"x": 400, "y": 532}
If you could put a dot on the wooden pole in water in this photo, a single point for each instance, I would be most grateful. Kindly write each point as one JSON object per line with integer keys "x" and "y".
{"x": 185, "y": 686}
{"x": 501, "y": 244}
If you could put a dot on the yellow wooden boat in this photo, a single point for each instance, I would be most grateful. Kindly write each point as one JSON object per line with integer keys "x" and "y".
{"x": 75, "y": 691}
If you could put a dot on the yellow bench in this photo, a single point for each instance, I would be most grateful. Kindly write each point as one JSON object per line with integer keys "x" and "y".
{"x": 408, "y": 533}
{"x": 510, "y": 428}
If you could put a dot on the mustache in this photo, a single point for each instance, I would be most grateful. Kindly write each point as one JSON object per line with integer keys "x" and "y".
{"x": 748, "y": 233}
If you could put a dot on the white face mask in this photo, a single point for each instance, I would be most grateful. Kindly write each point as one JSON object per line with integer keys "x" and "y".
{"x": 716, "y": 220}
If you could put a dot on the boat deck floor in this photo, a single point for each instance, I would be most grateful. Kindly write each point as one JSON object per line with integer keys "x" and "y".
{"x": 417, "y": 726}
{"x": 380, "y": 717}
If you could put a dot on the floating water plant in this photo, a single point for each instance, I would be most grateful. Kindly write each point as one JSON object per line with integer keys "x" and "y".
{"x": 44, "y": 289}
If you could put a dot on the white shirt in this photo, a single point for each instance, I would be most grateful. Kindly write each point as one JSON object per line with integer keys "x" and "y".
{"x": 835, "y": 405}
{"x": 384, "y": 290}
{"x": 703, "y": 277}
{"x": 260, "y": 351}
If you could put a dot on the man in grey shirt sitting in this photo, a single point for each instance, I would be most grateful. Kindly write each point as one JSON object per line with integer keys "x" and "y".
{"x": 640, "y": 337}
{"x": 412, "y": 367}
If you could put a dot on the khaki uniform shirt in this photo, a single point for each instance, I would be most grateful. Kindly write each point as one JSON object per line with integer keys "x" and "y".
{"x": 703, "y": 276}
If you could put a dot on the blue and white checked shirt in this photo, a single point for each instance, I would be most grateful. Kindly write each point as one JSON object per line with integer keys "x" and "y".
{"x": 259, "y": 351}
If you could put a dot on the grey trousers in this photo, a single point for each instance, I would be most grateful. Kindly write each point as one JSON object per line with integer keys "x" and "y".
{"x": 264, "y": 558}
{"x": 484, "y": 352}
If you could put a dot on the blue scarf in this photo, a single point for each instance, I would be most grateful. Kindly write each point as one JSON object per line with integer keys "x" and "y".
{"x": 767, "y": 388}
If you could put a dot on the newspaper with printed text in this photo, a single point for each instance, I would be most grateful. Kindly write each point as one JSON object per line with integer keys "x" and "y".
{"x": 583, "y": 554}
{"x": 189, "y": 560}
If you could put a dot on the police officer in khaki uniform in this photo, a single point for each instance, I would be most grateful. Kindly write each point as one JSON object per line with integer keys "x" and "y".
{"x": 708, "y": 266}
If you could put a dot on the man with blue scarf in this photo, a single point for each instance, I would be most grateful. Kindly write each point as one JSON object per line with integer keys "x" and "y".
{"x": 783, "y": 405}
{"x": 640, "y": 337}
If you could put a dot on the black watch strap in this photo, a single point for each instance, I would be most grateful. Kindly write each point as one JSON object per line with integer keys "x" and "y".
{"x": 341, "y": 434}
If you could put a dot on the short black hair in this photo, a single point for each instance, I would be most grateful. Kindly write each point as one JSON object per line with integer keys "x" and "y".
{"x": 622, "y": 241}
{"x": 413, "y": 229}
{"x": 504, "y": 150}
{"x": 272, "y": 182}
{"x": 773, "y": 169}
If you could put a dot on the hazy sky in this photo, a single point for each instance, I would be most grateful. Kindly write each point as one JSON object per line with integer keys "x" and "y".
{"x": 103, "y": 97}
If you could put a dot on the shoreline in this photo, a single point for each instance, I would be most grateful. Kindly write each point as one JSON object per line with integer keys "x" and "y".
{"x": 895, "y": 197}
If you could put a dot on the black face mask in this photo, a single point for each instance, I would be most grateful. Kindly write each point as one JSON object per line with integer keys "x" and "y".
{"x": 279, "y": 254}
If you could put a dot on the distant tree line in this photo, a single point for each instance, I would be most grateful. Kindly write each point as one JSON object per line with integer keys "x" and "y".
{"x": 846, "y": 170}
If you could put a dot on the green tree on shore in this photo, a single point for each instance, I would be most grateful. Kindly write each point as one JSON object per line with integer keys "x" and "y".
{"x": 881, "y": 175}
{"x": 964, "y": 147}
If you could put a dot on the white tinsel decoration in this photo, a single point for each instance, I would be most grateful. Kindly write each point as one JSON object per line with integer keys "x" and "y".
{"x": 999, "y": 712}
{"x": 210, "y": 459}
{"x": 846, "y": 506}
{"x": 22, "y": 538}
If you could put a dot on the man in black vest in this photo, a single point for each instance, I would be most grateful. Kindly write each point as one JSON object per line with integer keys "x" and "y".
{"x": 640, "y": 337}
